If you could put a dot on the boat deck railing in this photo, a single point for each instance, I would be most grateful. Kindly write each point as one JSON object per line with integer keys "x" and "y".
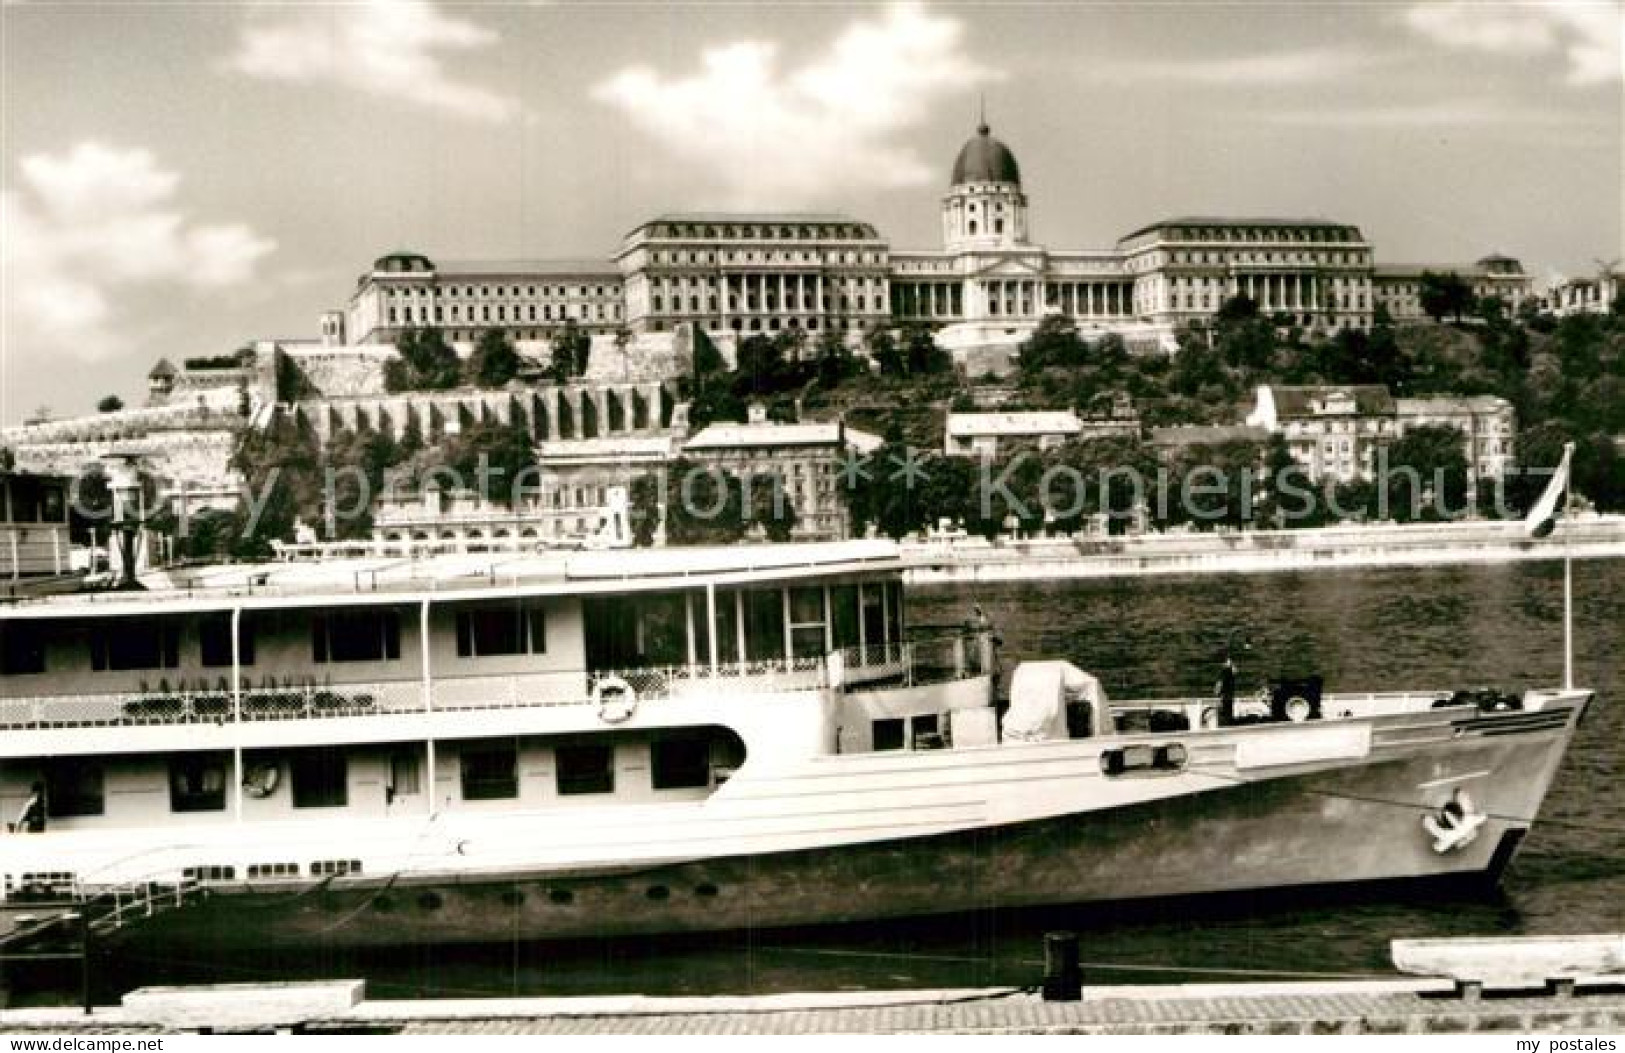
{"x": 294, "y": 698}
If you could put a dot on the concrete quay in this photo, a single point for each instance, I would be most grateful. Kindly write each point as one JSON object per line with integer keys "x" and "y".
{"x": 956, "y": 560}
{"x": 1355, "y": 1007}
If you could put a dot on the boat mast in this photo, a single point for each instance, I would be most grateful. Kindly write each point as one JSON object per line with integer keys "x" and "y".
{"x": 1568, "y": 574}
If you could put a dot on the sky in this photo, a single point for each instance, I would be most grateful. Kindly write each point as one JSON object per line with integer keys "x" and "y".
{"x": 179, "y": 178}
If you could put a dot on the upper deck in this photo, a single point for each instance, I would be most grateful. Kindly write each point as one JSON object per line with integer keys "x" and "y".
{"x": 449, "y": 577}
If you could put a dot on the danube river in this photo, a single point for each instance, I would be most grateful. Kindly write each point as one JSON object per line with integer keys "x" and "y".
{"x": 1440, "y": 627}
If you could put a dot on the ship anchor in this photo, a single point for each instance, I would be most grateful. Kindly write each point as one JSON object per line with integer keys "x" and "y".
{"x": 1455, "y": 826}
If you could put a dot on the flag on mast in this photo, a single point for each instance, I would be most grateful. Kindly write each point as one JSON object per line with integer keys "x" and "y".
{"x": 1542, "y": 519}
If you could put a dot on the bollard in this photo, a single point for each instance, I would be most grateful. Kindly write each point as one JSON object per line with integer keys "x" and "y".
{"x": 1063, "y": 975}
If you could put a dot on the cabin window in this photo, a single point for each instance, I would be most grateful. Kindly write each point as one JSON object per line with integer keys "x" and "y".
{"x": 702, "y": 626}
{"x": 844, "y": 613}
{"x": 727, "y": 625}
{"x": 584, "y": 769}
{"x": 135, "y": 643}
{"x": 807, "y": 621}
{"x": 662, "y": 629}
{"x": 356, "y": 636}
{"x": 764, "y": 625}
{"x": 197, "y": 783}
{"x": 484, "y": 632}
{"x": 214, "y": 640}
{"x": 405, "y": 775}
{"x": 22, "y": 648}
{"x": 680, "y": 763}
{"x": 73, "y": 787}
{"x": 320, "y": 778}
{"x": 888, "y": 734}
{"x": 490, "y": 773}
{"x": 874, "y": 615}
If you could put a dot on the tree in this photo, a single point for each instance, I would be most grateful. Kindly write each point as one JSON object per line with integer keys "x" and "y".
{"x": 707, "y": 356}
{"x": 881, "y": 346}
{"x": 1442, "y": 294}
{"x": 109, "y": 404}
{"x": 494, "y": 361}
{"x": 835, "y": 361}
{"x": 497, "y": 458}
{"x": 425, "y": 362}
{"x": 1238, "y": 308}
{"x": 921, "y": 352}
{"x": 1424, "y": 473}
{"x": 1055, "y": 342}
{"x": 771, "y": 507}
{"x": 705, "y": 505}
{"x": 291, "y": 383}
{"x": 571, "y": 350}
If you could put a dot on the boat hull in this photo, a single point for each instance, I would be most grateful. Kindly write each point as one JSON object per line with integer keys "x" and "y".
{"x": 1358, "y": 822}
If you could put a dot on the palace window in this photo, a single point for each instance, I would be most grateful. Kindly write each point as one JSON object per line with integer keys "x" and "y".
{"x": 197, "y": 782}
{"x": 516, "y": 628}
{"x": 139, "y": 643}
{"x": 584, "y": 768}
{"x": 490, "y": 772}
{"x": 320, "y": 778}
{"x": 356, "y": 636}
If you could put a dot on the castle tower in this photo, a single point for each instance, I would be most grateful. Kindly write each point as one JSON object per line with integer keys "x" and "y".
{"x": 984, "y": 207}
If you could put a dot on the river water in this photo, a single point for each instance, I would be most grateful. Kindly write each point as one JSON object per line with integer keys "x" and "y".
{"x": 1368, "y": 629}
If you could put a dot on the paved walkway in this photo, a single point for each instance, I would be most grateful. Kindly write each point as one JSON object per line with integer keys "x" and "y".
{"x": 1385, "y": 1007}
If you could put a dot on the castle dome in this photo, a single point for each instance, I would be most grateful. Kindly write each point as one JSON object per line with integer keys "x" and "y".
{"x": 983, "y": 159}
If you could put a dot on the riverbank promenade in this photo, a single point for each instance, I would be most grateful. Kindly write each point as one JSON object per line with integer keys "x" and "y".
{"x": 1321, "y": 1008}
{"x": 962, "y": 559}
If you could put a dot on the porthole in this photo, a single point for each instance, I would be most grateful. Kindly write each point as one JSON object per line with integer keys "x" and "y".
{"x": 383, "y": 905}
{"x": 513, "y": 898}
{"x": 705, "y": 891}
{"x": 658, "y": 892}
{"x": 430, "y": 901}
{"x": 561, "y": 896}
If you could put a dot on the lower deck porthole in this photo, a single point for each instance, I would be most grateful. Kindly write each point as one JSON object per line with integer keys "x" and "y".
{"x": 430, "y": 901}
{"x": 561, "y": 896}
{"x": 658, "y": 892}
{"x": 383, "y": 905}
{"x": 705, "y": 891}
{"x": 513, "y": 898}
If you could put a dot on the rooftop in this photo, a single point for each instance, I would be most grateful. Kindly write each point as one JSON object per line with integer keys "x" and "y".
{"x": 734, "y": 436}
{"x": 1033, "y": 422}
{"x": 1239, "y": 221}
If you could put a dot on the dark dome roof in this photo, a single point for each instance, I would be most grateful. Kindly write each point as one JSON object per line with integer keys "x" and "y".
{"x": 983, "y": 159}
{"x": 403, "y": 263}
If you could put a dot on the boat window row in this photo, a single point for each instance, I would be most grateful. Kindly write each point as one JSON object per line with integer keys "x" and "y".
{"x": 326, "y": 777}
{"x": 359, "y": 635}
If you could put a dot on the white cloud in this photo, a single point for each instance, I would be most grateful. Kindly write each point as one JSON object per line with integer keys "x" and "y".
{"x": 387, "y": 48}
{"x": 1590, "y": 34}
{"x": 82, "y": 227}
{"x": 783, "y": 136}
{"x": 1440, "y": 115}
{"x": 1265, "y": 69}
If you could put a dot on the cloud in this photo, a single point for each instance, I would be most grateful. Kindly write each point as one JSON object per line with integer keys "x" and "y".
{"x": 1265, "y": 69}
{"x": 85, "y": 226}
{"x": 1588, "y": 33}
{"x": 1439, "y": 115}
{"x": 387, "y": 48}
{"x": 826, "y": 128}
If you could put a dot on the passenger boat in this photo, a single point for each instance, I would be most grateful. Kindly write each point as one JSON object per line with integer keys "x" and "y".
{"x": 481, "y": 747}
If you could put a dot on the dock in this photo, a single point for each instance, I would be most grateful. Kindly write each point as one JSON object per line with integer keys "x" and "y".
{"x": 1381, "y": 1007}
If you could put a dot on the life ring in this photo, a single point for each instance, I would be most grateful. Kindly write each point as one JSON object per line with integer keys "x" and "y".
{"x": 615, "y": 698}
{"x": 1298, "y": 709}
{"x": 261, "y": 780}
